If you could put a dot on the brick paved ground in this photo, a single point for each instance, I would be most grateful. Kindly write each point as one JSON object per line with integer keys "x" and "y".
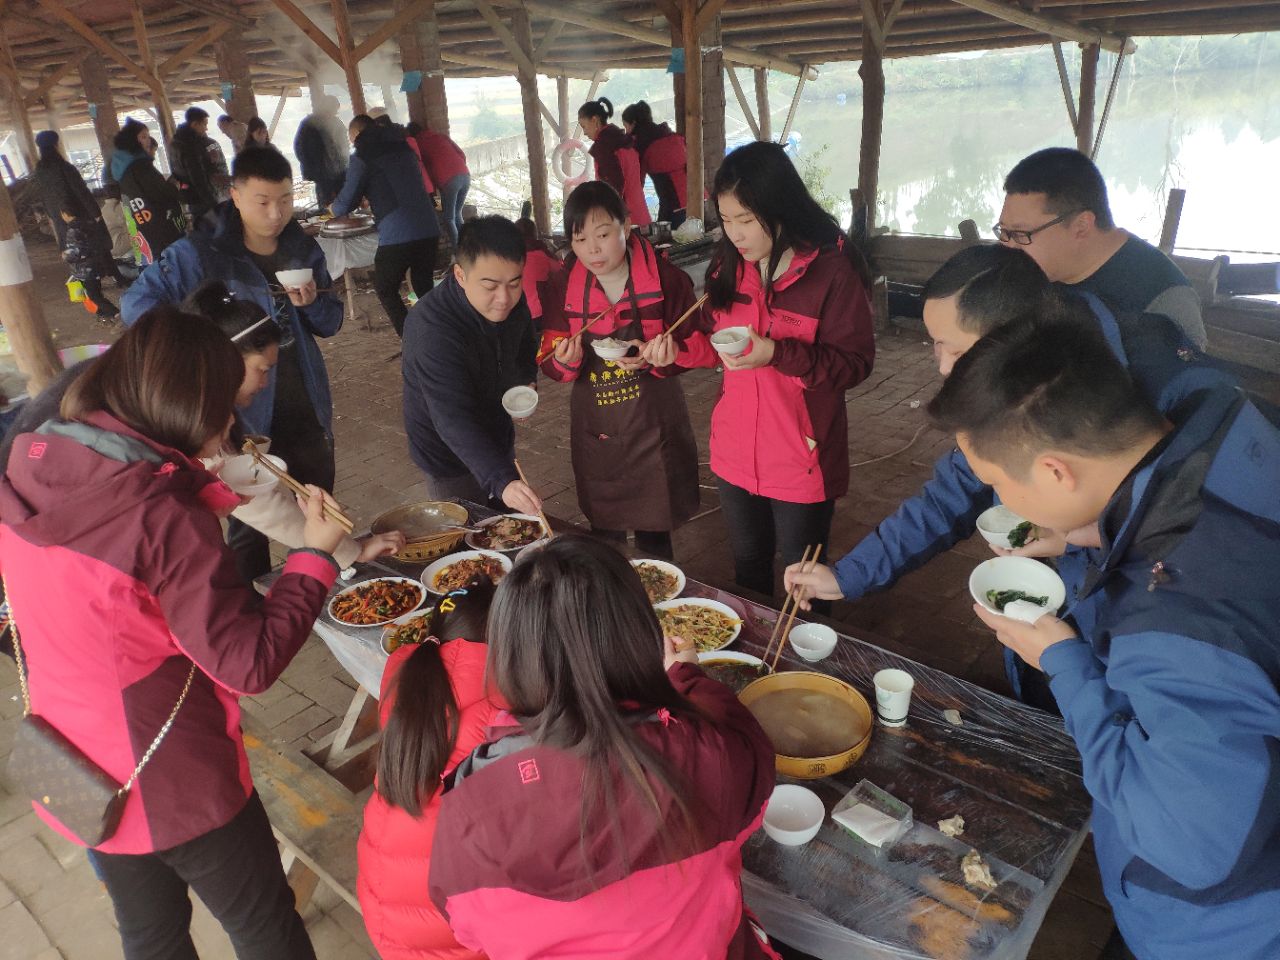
{"x": 52, "y": 906}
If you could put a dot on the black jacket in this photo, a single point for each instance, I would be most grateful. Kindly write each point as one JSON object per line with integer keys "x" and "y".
{"x": 194, "y": 159}
{"x": 456, "y": 366}
{"x": 63, "y": 189}
{"x": 154, "y": 203}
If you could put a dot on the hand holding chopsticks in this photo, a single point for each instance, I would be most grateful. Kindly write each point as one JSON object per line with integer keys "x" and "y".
{"x": 546, "y": 524}
{"x": 331, "y": 509}
{"x": 662, "y": 350}
{"x": 780, "y": 632}
{"x": 543, "y": 354}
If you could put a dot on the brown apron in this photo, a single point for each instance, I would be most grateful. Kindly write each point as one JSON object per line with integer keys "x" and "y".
{"x": 634, "y": 456}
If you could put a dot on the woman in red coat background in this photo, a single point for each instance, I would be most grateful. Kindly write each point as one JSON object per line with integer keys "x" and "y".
{"x": 616, "y": 158}
{"x": 662, "y": 159}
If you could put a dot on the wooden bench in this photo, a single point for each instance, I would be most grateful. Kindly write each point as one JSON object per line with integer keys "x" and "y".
{"x": 315, "y": 818}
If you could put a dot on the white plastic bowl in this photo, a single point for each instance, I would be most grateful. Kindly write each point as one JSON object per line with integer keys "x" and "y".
{"x": 429, "y": 574}
{"x": 794, "y": 815}
{"x": 238, "y": 474}
{"x": 812, "y": 641}
{"x": 607, "y": 348}
{"x": 471, "y": 537}
{"x": 670, "y": 568}
{"x": 292, "y": 279}
{"x": 731, "y": 341}
{"x": 422, "y": 597}
{"x": 1017, "y": 573}
{"x": 520, "y": 402}
{"x": 996, "y": 524}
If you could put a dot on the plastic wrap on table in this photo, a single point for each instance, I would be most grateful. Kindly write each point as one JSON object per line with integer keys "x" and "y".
{"x": 345, "y": 253}
{"x": 1011, "y": 772}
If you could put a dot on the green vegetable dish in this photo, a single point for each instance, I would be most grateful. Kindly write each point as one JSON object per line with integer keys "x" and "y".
{"x": 1022, "y": 534}
{"x": 1002, "y": 598}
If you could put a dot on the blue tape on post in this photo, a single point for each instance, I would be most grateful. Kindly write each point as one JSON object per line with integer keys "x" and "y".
{"x": 93, "y": 111}
{"x": 676, "y": 63}
{"x": 228, "y": 89}
{"x": 412, "y": 81}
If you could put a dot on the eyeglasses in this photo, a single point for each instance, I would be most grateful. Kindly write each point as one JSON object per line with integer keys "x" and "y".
{"x": 1023, "y": 237}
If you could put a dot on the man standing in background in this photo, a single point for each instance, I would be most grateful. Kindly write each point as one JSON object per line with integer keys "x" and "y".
{"x": 321, "y": 148}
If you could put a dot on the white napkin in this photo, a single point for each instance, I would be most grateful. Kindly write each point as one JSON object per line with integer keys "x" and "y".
{"x": 1024, "y": 610}
{"x": 869, "y": 823}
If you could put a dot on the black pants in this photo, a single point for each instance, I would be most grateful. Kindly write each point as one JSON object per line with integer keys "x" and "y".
{"x": 391, "y": 263}
{"x": 760, "y": 528}
{"x": 235, "y": 870}
{"x": 651, "y": 543}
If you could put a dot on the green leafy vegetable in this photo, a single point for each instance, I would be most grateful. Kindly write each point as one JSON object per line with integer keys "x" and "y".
{"x": 1023, "y": 533}
{"x": 1002, "y": 598}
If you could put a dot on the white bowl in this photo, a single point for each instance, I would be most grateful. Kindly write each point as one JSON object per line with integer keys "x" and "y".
{"x": 607, "y": 348}
{"x": 395, "y": 624}
{"x": 520, "y": 402}
{"x": 731, "y": 341}
{"x": 471, "y": 537}
{"x": 670, "y": 568}
{"x": 733, "y": 655}
{"x": 812, "y": 641}
{"x": 996, "y": 524}
{"x": 793, "y": 815}
{"x": 422, "y": 597}
{"x": 429, "y": 574}
{"x": 247, "y": 477}
{"x": 292, "y": 279}
{"x": 724, "y": 608}
{"x": 1017, "y": 573}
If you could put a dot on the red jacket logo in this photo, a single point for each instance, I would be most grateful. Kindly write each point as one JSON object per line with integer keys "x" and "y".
{"x": 37, "y": 450}
{"x": 528, "y": 771}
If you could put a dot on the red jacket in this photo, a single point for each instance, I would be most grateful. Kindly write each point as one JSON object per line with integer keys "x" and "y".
{"x": 781, "y": 431}
{"x": 395, "y": 848}
{"x": 618, "y": 164}
{"x": 666, "y": 156}
{"x": 426, "y": 174}
{"x": 442, "y": 157}
{"x": 507, "y": 865}
{"x": 119, "y": 577}
{"x": 539, "y": 267}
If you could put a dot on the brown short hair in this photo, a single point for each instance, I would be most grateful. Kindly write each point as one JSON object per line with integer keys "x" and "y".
{"x": 173, "y": 377}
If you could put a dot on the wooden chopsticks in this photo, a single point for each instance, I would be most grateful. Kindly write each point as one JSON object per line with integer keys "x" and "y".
{"x": 546, "y": 524}
{"x": 688, "y": 313}
{"x": 543, "y": 354}
{"x": 806, "y": 566}
{"x": 333, "y": 513}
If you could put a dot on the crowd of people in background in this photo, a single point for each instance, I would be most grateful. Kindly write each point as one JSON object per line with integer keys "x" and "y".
{"x": 551, "y": 711}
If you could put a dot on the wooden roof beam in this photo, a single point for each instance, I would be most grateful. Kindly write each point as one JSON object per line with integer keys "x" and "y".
{"x": 505, "y": 68}
{"x": 184, "y": 55}
{"x": 391, "y": 27}
{"x": 308, "y": 27}
{"x": 52, "y": 78}
{"x": 219, "y": 10}
{"x": 1053, "y": 26}
{"x": 100, "y": 43}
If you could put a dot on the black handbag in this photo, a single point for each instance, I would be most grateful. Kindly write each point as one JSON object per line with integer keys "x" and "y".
{"x": 57, "y": 775}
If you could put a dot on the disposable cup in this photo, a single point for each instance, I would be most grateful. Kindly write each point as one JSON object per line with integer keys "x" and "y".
{"x": 893, "y": 696}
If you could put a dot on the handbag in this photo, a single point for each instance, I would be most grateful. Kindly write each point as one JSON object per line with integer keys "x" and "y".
{"x": 57, "y": 775}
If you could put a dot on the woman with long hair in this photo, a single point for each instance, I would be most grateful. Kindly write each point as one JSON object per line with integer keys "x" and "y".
{"x": 779, "y": 433}
{"x": 152, "y": 203}
{"x": 434, "y": 710}
{"x": 129, "y": 610}
{"x": 663, "y": 159}
{"x": 616, "y": 159}
{"x": 635, "y": 461}
{"x": 257, "y": 134}
{"x": 605, "y": 816}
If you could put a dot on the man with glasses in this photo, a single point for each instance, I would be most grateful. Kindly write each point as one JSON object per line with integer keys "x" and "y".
{"x": 1056, "y": 210}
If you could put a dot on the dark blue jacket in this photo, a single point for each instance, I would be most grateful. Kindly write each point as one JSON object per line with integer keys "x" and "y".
{"x": 185, "y": 264}
{"x": 456, "y": 366}
{"x": 1173, "y": 697}
{"x": 388, "y": 172}
{"x": 1160, "y": 359}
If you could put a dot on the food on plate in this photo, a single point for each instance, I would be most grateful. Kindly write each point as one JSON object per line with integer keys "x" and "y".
{"x": 734, "y": 674}
{"x": 1022, "y": 534}
{"x": 1002, "y": 598}
{"x": 463, "y": 572}
{"x": 976, "y": 872}
{"x": 952, "y": 826}
{"x": 411, "y": 631}
{"x": 659, "y": 583}
{"x": 808, "y": 723}
{"x": 376, "y": 601}
{"x": 708, "y": 628}
{"x": 509, "y": 533}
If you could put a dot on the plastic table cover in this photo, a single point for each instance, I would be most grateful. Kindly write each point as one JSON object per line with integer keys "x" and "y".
{"x": 1011, "y": 771}
{"x": 345, "y": 253}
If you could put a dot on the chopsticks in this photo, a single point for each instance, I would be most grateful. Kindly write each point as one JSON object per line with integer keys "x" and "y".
{"x": 688, "y": 313}
{"x": 333, "y": 513}
{"x": 543, "y": 354}
{"x": 546, "y": 524}
{"x": 806, "y": 566}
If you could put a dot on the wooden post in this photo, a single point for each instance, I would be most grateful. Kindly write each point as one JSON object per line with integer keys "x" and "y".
{"x": 1088, "y": 94}
{"x": 871, "y": 70}
{"x": 350, "y": 65}
{"x": 969, "y": 231}
{"x": 762, "y": 104}
{"x": 233, "y": 68}
{"x": 712, "y": 101}
{"x": 389, "y": 102}
{"x": 52, "y": 116}
{"x": 562, "y": 104}
{"x": 1172, "y": 218}
{"x": 164, "y": 112}
{"x": 678, "y": 80}
{"x": 523, "y": 32}
{"x": 97, "y": 91}
{"x": 17, "y": 109}
{"x": 693, "y": 106}
{"x": 281, "y": 102}
{"x": 24, "y": 321}
{"x": 420, "y": 50}
{"x": 315, "y": 88}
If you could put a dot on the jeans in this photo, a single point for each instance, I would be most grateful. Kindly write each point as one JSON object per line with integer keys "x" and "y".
{"x": 391, "y": 263}
{"x": 760, "y": 527}
{"x": 235, "y": 870}
{"x": 452, "y": 196}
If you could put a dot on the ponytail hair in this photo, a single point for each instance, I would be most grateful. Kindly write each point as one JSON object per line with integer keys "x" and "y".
{"x": 601, "y": 109}
{"x": 422, "y": 729}
{"x": 639, "y": 114}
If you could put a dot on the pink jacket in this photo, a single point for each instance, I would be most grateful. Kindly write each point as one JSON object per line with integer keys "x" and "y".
{"x": 781, "y": 431}
{"x": 618, "y": 164}
{"x": 443, "y": 158}
{"x": 119, "y": 578}
{"x": 426, "y": 174}
{"x": 395, "y": 848}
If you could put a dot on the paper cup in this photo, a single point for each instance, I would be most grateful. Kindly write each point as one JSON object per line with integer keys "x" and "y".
{"x": 893, "y": 696}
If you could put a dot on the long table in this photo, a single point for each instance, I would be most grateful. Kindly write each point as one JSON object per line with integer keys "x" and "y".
{"x": 1010, "y": 771}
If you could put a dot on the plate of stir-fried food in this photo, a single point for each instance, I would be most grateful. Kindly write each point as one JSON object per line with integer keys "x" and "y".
{"x": 375, "y": 603}
{"x": 709, "y": 624}
{"x": 662, "y": 580}
{"x": 413, "y": 629}
{"x": 459, "y": 570}
{"x": 512, "y": 531}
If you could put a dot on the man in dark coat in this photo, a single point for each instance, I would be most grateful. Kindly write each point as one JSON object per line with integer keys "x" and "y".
{"x": 198, "y": 164}
{"x": 321, "y": 148}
